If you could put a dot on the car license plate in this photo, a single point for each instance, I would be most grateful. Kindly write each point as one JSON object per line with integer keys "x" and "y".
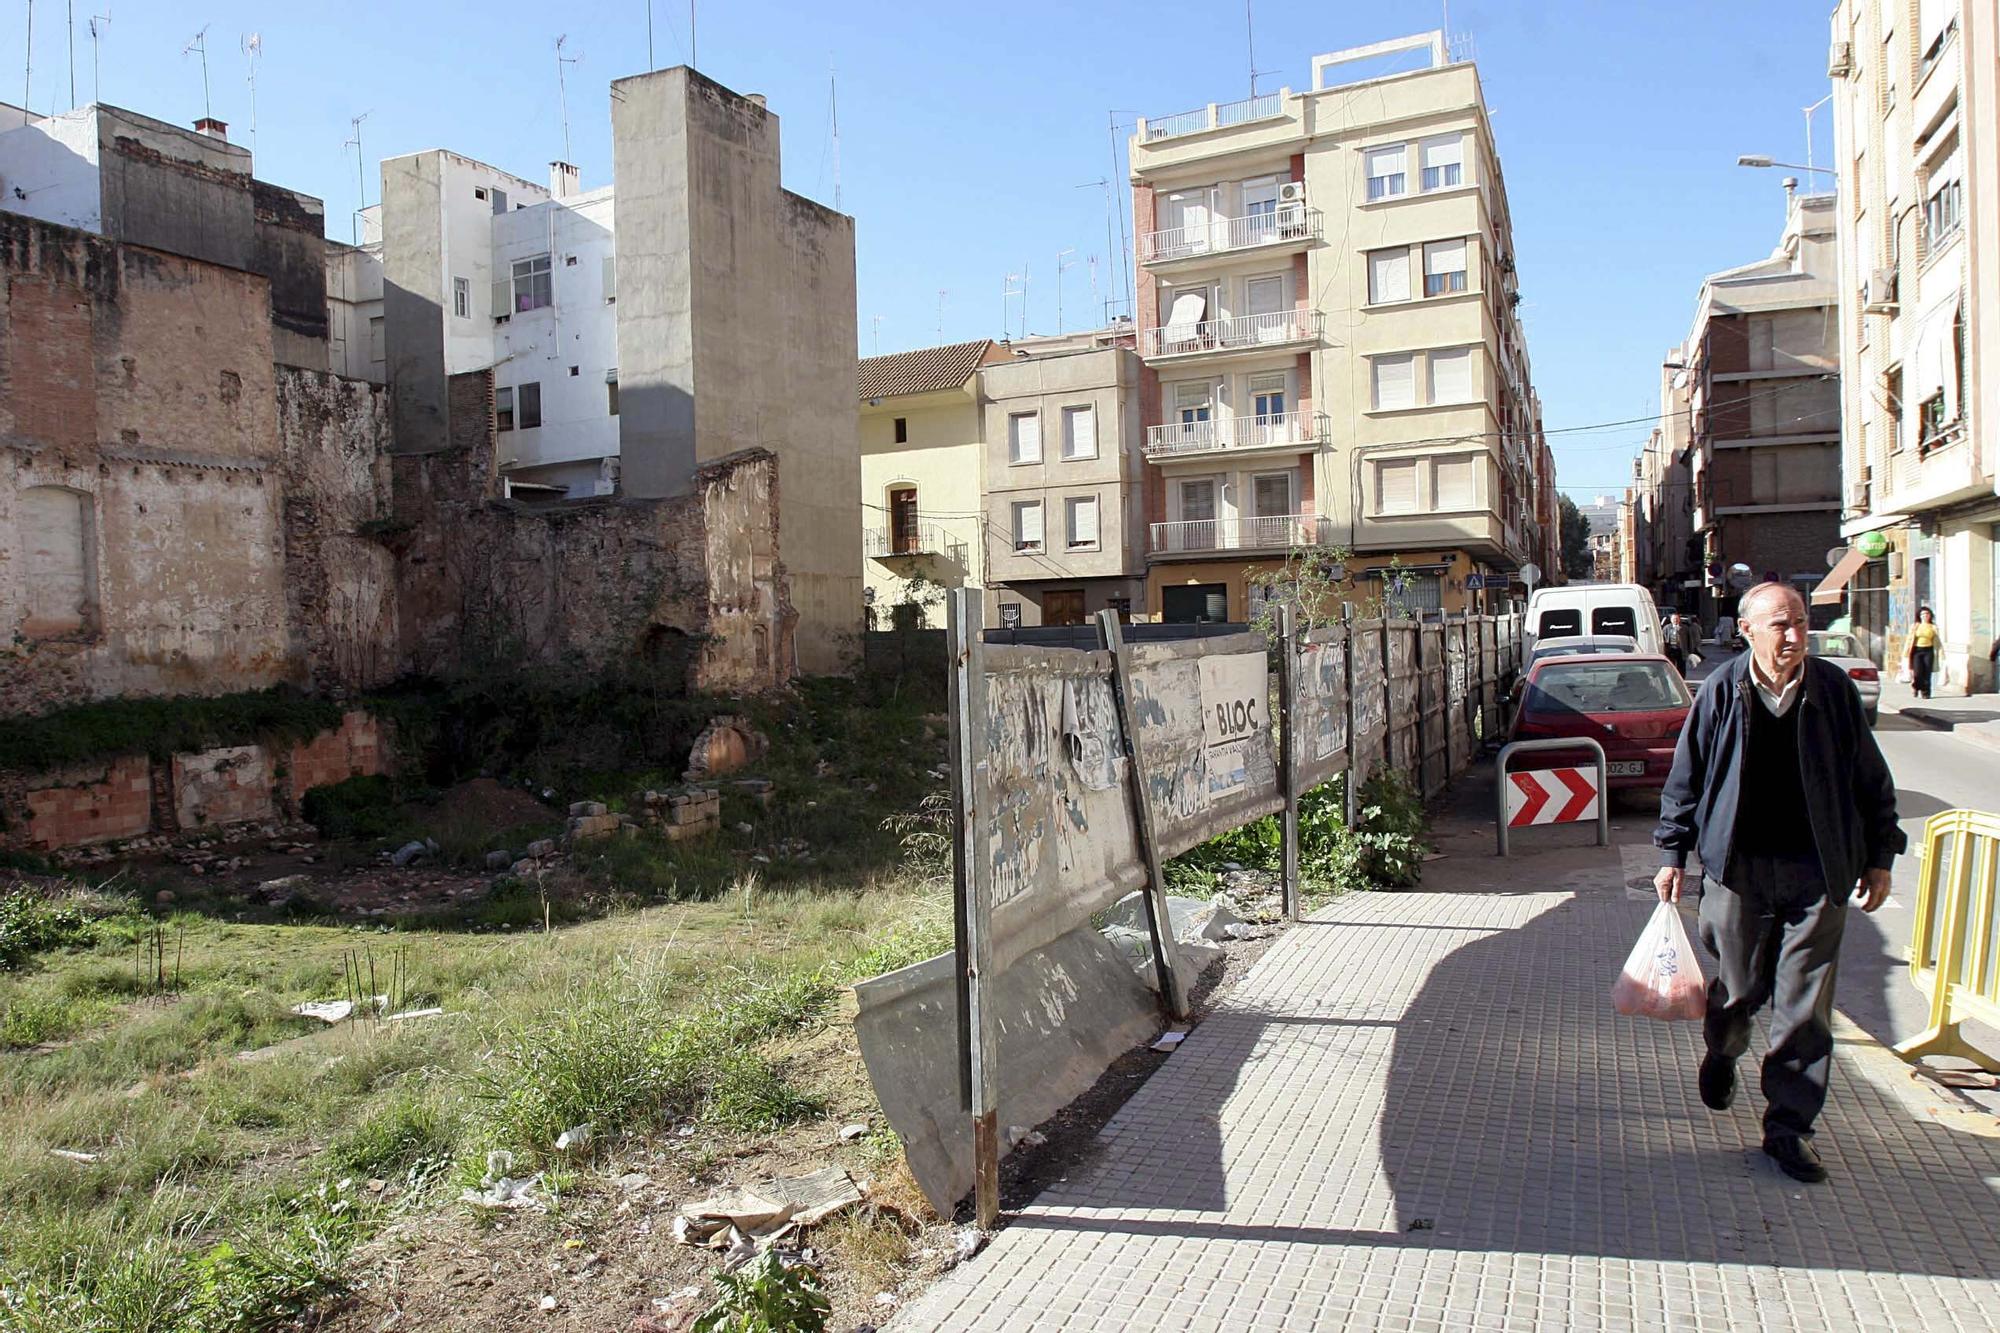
{"x": 1626, "y": 768}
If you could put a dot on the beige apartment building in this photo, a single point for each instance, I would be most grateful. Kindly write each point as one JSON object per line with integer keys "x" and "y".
{"x": 1013, "y": 467}
{"x": 920, "y": 479}
{"x": 1919, "y": 200}
{"x": 1326, "y": 303}
{"x": 1063, "y": 469}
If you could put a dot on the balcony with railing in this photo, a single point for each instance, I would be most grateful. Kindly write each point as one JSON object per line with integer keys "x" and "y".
{"x": 1241, "y": 333}
{"x": 1287, "y": 226}
{"x": 906, "y": 540}
{"x": 1270, "y": 532}
{"x": 1250, "y": 431}
{"x": 1214, "y": 116}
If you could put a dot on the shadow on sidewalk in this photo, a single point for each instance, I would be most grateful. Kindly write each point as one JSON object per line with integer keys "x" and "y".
{"x": 1523, "y": 1115}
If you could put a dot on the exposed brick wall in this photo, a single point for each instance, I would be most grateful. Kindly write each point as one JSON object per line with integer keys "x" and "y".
{"x": 142, "y": 382}
{"x": 114, "y": 801}
{"x": 353, "y": 749}
{"x": 1305, "y": 382}
{"x": 132, "y": 796}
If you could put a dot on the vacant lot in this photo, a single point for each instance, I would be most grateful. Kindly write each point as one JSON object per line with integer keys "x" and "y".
{"x": 184, "y": 1152}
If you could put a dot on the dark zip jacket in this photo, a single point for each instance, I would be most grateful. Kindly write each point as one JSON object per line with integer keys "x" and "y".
{"x": 1850, "y": 797}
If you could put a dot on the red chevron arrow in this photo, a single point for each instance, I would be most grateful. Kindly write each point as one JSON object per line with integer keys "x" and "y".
{"x": 1534, "y": 795}
{"x": 1581, "y": 793}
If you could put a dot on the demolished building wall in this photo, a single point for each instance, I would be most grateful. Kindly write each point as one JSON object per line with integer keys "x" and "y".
{"x": 140, "y": 490}
{"x": 689, "y": 587}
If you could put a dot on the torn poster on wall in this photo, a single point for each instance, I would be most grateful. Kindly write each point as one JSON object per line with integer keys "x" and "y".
{"x": 1235, "y": 709}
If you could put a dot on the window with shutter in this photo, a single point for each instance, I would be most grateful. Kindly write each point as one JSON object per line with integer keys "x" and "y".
{"x": 1197, "y": 498}
{"x": 1024, "y": 438}
{"x": 1395, "y": 382}
{"x": 1385, "y": 172}
{"x": 1444, "y": 267}
{"x": 530, "y": 397}
{"x": 1028, "y": 525}
{"x": 502, "y": 297}
{"x": 610, "y": 279}
{"x": 1441, "y": 159}
{"x": 503, "y": 409}
{"x": 1082, "y": 520}
{"x": 1454, "y": 483}
{"x": 1451, "y": 376}
{"x": 1079, "y": 432}
{"x": 1271, "y": 494}
{"x": 1396, "y": 488}
{"x": 1388, "y": 276}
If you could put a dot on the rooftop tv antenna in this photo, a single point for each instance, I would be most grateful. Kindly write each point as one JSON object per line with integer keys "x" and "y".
{"x": 876, "y": 322}
{"x": 70, "y": 14}
{"x": 1063, "y": 265}
{"x": 28, "y": 82}
{"x": 940, "y": 323}
{"x": 650, "y": 66}
{"x": 1008, "y": 290}
{"x": 833, "y": 104}
{"x": 253, "y": 46}
{"x": 360, "y": 173}
{"x": 96, "y": 38}
{"x": 562, "y": 91}
{"x": 199, "y": 44}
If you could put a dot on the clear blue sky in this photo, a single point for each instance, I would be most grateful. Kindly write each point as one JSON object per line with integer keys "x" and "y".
{"x": 965, "y": 132}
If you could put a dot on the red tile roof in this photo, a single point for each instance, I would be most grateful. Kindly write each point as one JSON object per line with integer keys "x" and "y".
{"x": 926, "y": 370}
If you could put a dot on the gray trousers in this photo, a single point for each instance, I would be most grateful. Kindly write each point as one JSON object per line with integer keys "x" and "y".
{"x": 1774, "y": 932}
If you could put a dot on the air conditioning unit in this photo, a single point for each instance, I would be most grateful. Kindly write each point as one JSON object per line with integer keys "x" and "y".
{"x": 1292, "y": 192}
{"x": 1878, "y": 297}
{"x": 1840, "y": 60}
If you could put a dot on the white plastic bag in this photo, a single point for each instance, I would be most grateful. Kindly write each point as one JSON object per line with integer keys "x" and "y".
{"x": 1905, "y": 676}
{"x": 1662, "y": 977}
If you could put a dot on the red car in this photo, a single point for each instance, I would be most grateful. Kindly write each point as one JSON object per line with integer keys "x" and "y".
{"x": 1633, "y": 704}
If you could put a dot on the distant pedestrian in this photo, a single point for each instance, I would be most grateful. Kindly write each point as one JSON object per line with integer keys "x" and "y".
{"x": 1672, "y": 641}
{"x": 1725, "y": 632}
{"x": 1690, "y": 633}
{"x": 1778, "y": 786}
{"x": 1920, "y": 654}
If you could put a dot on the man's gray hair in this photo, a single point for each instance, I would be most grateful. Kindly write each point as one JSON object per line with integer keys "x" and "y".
{"x": 1767, "y": 589}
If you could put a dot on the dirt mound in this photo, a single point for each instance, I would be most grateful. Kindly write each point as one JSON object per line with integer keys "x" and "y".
{"x": 483, "y": 801}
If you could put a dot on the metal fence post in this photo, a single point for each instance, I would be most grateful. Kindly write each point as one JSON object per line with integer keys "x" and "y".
{"x": 979, "y": 1078}
{"x": 1353, "y": 730}
{"x": 1159, "y": 921}
{"x": 1288, "y": 757}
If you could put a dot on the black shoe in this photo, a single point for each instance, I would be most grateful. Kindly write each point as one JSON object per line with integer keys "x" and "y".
{"x": 1717, "y": 1082}
{"x": 1796, "y": 1158}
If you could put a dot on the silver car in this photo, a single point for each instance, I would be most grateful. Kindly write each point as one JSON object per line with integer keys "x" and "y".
{"x": 1842, "y": 650}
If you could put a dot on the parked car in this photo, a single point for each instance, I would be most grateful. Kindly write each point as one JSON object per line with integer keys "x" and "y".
{"x": 1568, "y": 645}
{"x": 1593, "y": 608}
{"x": 1841, "y": 650}
{"x": 1633, "y": 704}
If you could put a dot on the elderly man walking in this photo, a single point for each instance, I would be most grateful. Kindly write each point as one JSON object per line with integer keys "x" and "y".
{"x": 1779, "y": 788}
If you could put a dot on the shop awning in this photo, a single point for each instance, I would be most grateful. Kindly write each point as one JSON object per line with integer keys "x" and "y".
{"x": 1830, "y": 588}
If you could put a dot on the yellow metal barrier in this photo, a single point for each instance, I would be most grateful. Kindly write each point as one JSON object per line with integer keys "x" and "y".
{"x": 1955, "y": 940}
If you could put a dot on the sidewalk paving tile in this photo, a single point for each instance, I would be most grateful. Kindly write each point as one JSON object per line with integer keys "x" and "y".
{"x": 1418, "y": 1111}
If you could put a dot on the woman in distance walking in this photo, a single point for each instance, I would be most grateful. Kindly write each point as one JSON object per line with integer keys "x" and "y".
{"x": 1921, "y": 653}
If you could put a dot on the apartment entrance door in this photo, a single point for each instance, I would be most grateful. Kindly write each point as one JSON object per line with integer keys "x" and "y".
{"x": 1062, "y": 606}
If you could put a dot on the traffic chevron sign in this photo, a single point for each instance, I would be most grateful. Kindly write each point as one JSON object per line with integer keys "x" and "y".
{"x": 1551, "y": 796}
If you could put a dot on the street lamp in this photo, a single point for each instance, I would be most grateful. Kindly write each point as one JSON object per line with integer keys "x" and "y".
{"x": 1759, "y": 160}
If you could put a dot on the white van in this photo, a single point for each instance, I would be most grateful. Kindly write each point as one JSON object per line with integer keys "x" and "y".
{"x": 1593, "y": 608}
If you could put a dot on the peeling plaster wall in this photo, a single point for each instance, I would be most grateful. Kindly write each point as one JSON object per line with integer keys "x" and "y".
{"x": 143, "y": 382}
{"x": 340, "y": 582}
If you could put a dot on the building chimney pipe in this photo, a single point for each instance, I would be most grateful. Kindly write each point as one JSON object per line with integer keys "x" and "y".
{"x": 213, "y": 128}
{"x": 564, "y": 180}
